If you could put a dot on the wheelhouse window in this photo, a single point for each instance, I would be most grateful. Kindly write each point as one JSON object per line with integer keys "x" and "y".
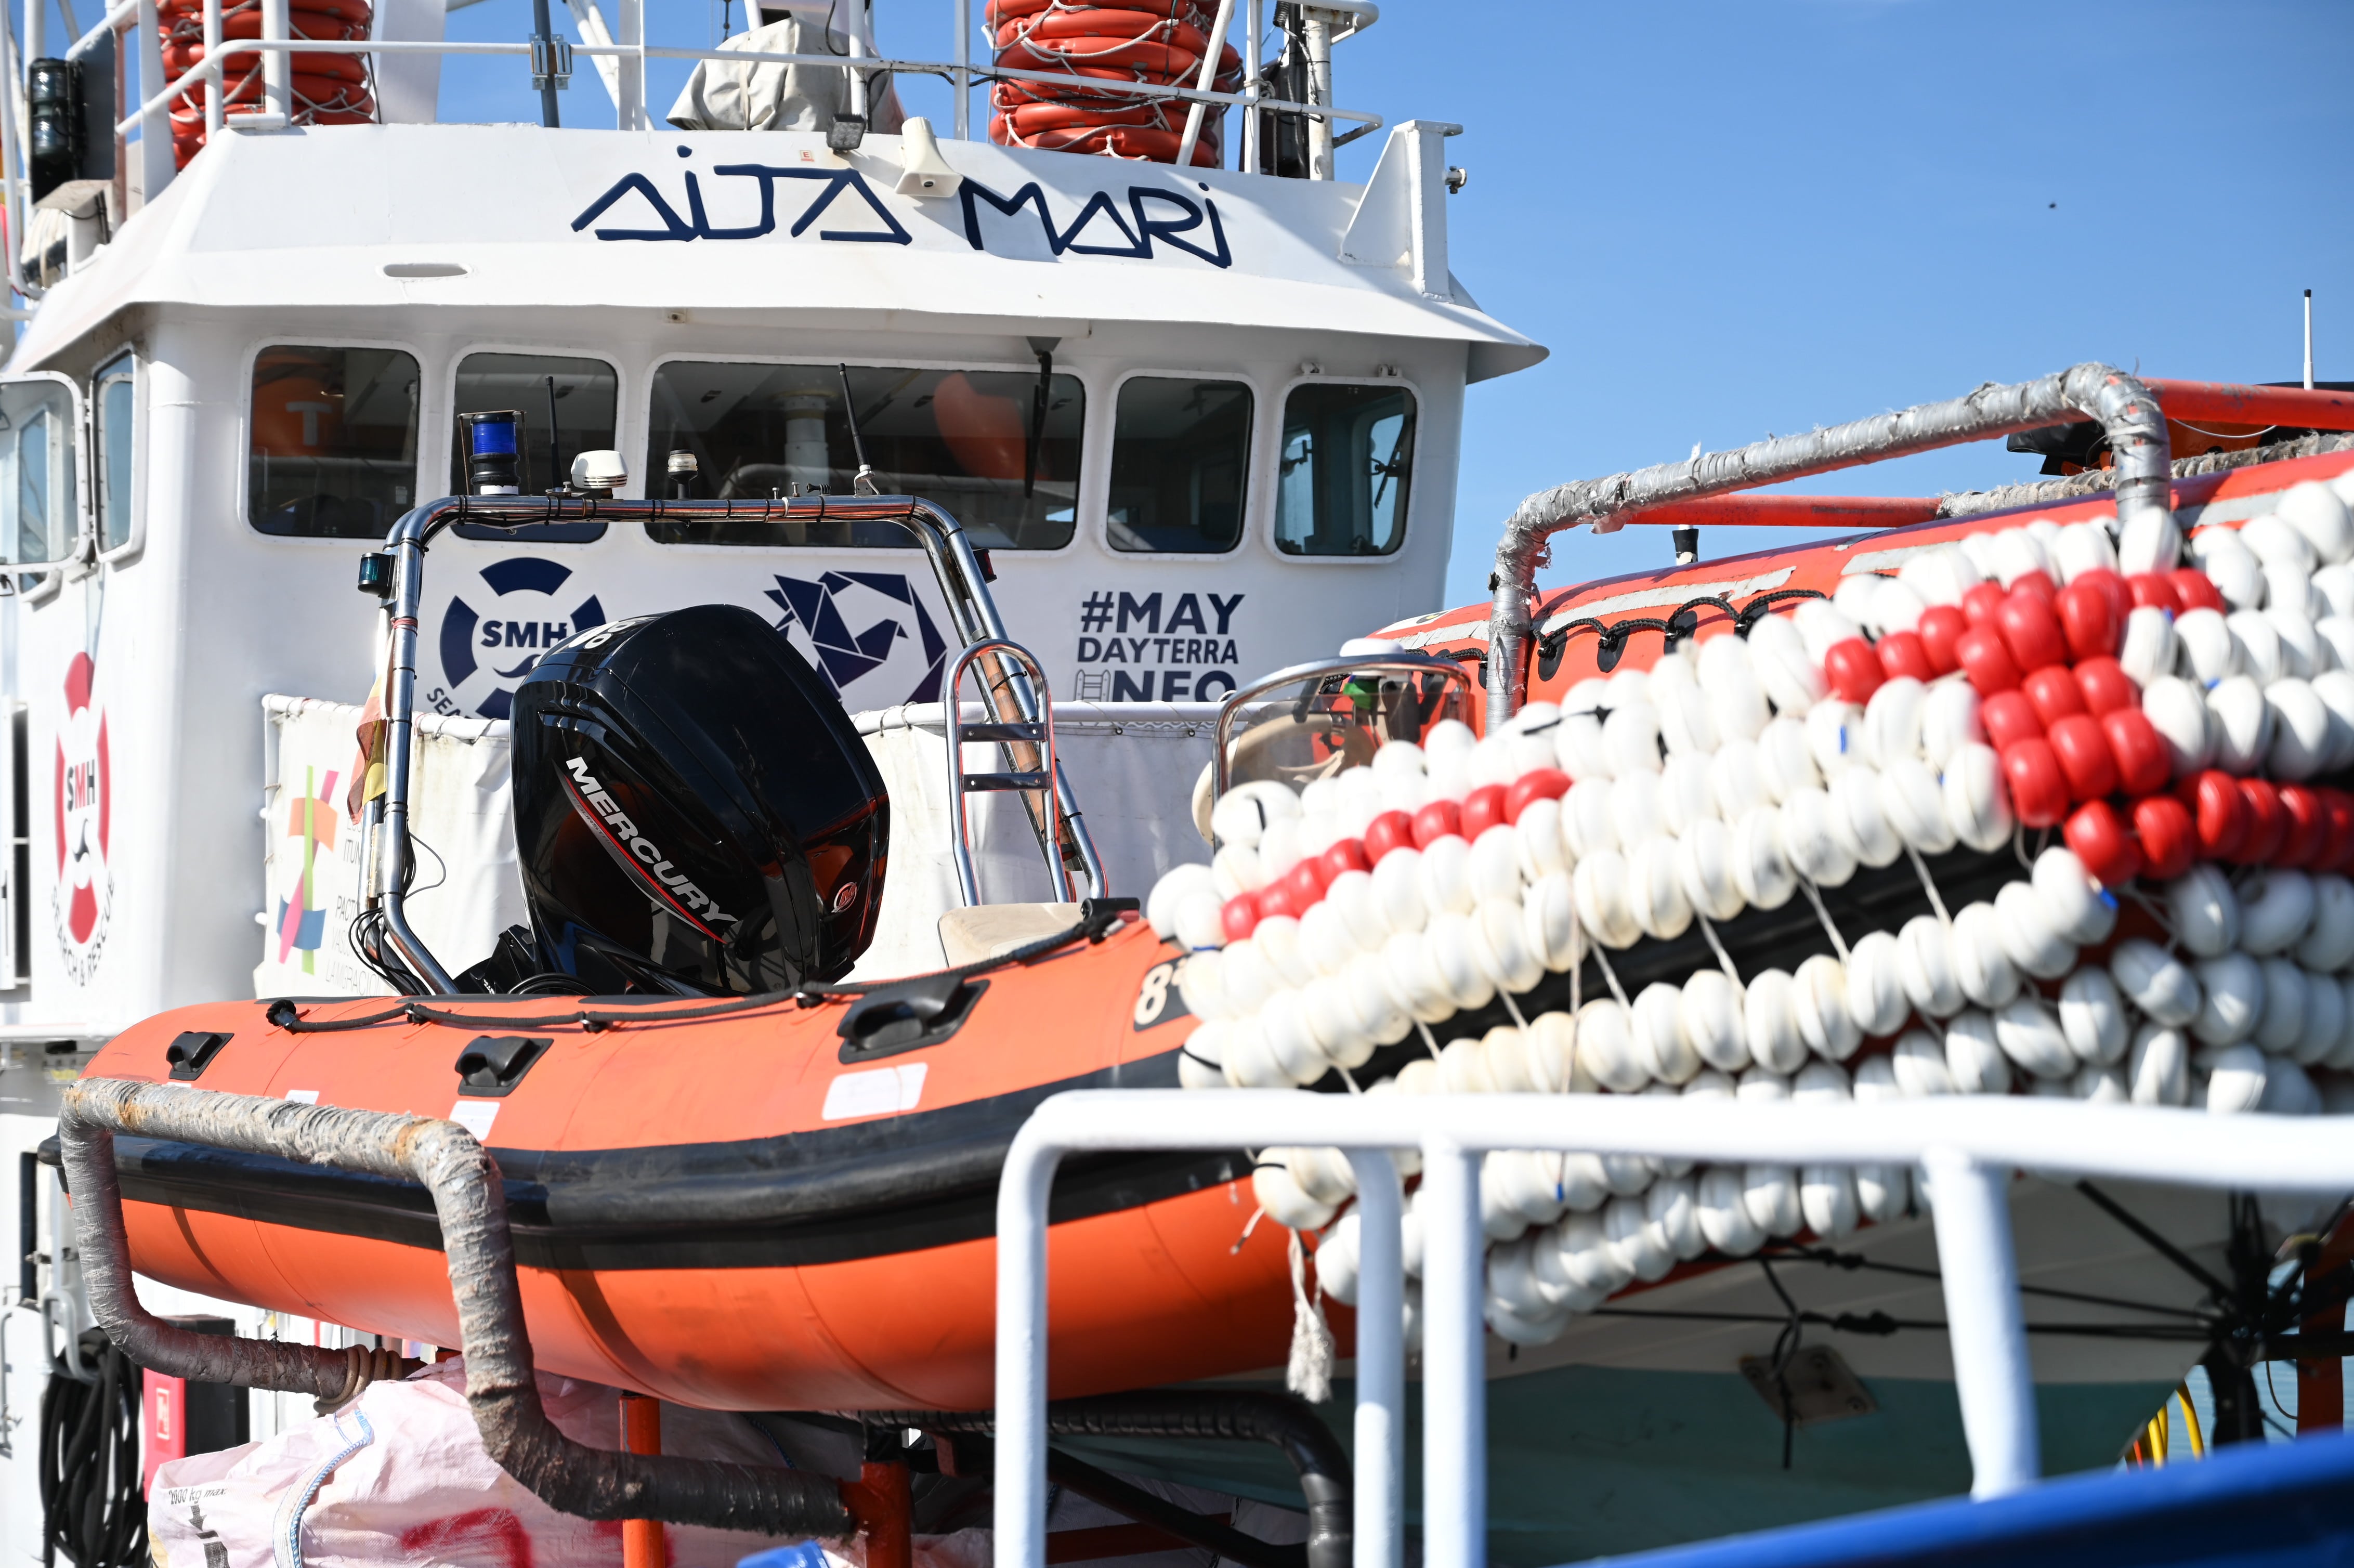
{"x": 578, "y": 398}
{"x": 36, "y": 471}
{"x": 997, "y": 449}
{"x": 1348, "y": 457}
{"x": 115, "y": 389}
{"x": 333, "y": 453}
{"x": 1179, "y": 454}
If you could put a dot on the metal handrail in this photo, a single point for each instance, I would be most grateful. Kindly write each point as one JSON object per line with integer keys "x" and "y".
{"x": 2123, "y": 405}
{"x": 1053, "y": 821}
{"x": 955, "y": 566}
{"x": 1967, "y": 1146}
{"x": 1231, "y": 705}
{"x": 470, "y": 1208}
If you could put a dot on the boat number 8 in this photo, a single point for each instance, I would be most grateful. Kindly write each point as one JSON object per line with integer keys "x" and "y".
{"x": 1160, "y": 997}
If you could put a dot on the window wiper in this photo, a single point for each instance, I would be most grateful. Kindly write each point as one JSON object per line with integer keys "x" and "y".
{"x": 863, "y": 484}
{"x": 1044, "y": 347}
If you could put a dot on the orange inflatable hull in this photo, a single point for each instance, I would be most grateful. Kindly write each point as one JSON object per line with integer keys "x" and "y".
{"x": 703, "y": 1211}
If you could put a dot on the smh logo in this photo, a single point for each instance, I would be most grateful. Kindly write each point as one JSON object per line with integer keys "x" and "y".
{"x": 486, "y": 654}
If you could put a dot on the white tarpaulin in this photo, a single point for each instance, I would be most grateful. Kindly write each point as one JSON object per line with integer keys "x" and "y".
{"x": 466, "y": 889}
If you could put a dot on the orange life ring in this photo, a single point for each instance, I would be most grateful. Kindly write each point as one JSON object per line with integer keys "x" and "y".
{"x": 325, "y": 89}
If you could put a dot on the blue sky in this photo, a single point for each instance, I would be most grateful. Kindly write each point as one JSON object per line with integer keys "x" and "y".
{"x": 1728, "y": 220}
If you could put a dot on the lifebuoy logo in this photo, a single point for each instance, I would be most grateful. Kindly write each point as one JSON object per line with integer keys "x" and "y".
{"x": 639, "y": 855}
{"x": 83, "y": 902}
{"x": 486, "y": 654}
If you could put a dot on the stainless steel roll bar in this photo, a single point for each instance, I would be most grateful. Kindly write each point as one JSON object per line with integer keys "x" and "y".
{"x": 2124, "y": 406}
{"x": 955, "y": 566}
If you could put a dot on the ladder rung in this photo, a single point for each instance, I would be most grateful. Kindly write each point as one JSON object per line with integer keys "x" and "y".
{"x": 1028, "y": 730}
{"x": 977, "y": 782}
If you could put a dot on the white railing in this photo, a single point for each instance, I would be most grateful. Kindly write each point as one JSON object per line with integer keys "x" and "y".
{"x": 1965, "y": 1146}
{"x": 151, "y": 119}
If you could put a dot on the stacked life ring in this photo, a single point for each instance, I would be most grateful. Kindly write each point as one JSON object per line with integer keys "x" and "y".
{"x": 1158, "y": 42}
{"x": 326, "y": 90}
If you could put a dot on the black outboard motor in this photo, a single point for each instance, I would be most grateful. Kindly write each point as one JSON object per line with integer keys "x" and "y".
{"x": 693, "y": 811}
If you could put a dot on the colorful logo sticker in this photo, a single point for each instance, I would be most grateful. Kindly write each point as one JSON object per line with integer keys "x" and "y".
{"x": 302, "y": 923}
{"x": 85, "y": 798}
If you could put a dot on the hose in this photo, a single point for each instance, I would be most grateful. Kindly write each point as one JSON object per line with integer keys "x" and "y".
{"x": 93, "y": 1512}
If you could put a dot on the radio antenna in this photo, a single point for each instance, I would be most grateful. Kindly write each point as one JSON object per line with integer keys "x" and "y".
{"x": 865, "y": 483}
{"x": 558, "y": 476}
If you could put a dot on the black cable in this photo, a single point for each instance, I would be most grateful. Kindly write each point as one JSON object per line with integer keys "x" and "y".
{"x": 93, "y": 1513}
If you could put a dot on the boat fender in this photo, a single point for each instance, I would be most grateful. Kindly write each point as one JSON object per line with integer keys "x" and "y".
{"x": 1671, "y": 1218}
{"x": 2303, "y": 649}
{"x": 2325, "y": 1021}
{"x": 2336, "y": 690}
{"x": 1722, "y": 1213}
{"x": 2341, "y": 1054}
{"x": 1398, "y": 888}
{"x": 1714, "y": 1013}
{"x": 1161, "y": 907}
{"x": 1492, "y": 870}
{"x": 1630, "y": 738}
{"x": 1324, "y": 1174}
{"x": 1950, "y": 720}
{"x": 2302, "y": 742}
{"x": 1761, "y": 865}
{"x": 1787, "y": 758}
{"x": 1386, "y": 1020}
{"x": 1834, "y": 738}
{"x": 1250, "y": 1062}
{"x": 1919, "y": 1066}
{"x": 1410, "y": 974}
{"x": 1334, "y": 1023}
{"x": 1940, "y": 575}
{"x": 2288, "y": 1091}
{"x": 1636, "y": 813}
{"x": 1820, "y": 625}
{"x": 2276, "y": 544}
{"x": 2231, "y": 999}
{"x": 1577, "y": 745}
{"x": 1704, "y": 868}
{"x": 1770, "y": 1195}
{"x": 1550, "y": 912}
{"x": 1977, "y": 803}
{"x": 2280, "y": 1023}
{"x": 2276, "y": 910}
{"x": 1605, "y": 1045}
{"x": 1283, "y": 1021}
{"x": 1896, "y": 607}
{"x": 2209, "y": 654}
{"x": 1355, "y": 901}
{"x": 1738, "y": 704}
{"x": 1913, "y": 807}
{"x": 1235, "y": 870}
{"x": 1736, "y": 780}
{"x": 2236, "y": 1079}
{"x": 1682, "y": 709}
{"x": 1891, "y": 719}
{"x": 1201, "y": 1064}
{"x": 1549, "y": 1047}
{"x": 1493, "y": 762}
{"x": 1528, "y": 1185}
{"x": 1793, "y": 681}
{"x": 2083, "y": 547}
{"x": 1859, "y": 820}
{"x": 1278, "y": 940}
{"x": 2099, "y": 1084}
{"x": 1455, "y": 946}
{"x": 1655, "y": 891}
{"x": 1280, "y": 1195}
{"x": 1667, "y": 1055}
{"x": 1325, "y": 939}
{"x": 1502, "y": 950}
{"x": 1882, "y": 1192}
{"x": 1539, "y": 847}
{"x": 1973, "y": 1058}
{"x": 2320, "y": 513}
{"x": 1504, "y": 1058}
{"x": 1770, "y": 1022}
{"x": 2030, "y": 938}
{"x": 1582, "y": 1248}
{"x": 1201, "y": 921}
{"x": 1511, "y": 1321}
{"x": 1357, "y": 802}
{"x": 1686, "y": 795}
{"x": 1603, "y": 909}
{"x": 1641, "y": 1252}
{"x": 1828, "y": 1198}
{"x": 2093, "y": 1016}
{"x": 2204, "y": 911}
{"x": 2017, "y": 553}
{"x": 1337, "y": 1259}
{"x": 2029, "y": 1031}
{"x": 2230, "y": 565}
{"x": 1398, "y": 760}
{"x": 2177, "y": 713}
{"x": 1926, "y": 954}
{"x": 2160, "y": 985}
{"x": 1818, "y": 1003}
{"x": 1873, "y": 985}
{"x": 2151, "y": 648}
{"x": 1446, "y": 876}
{"x": 1988, "y": 976}
{"x": 2334, "y": 625}
{"x": 2150, "y": 542}
{"x": 2328, "y": 943}
{"x": 1566, "y": 1296}
{"x": 1585, "y": 827}
{"x": 1585, "y": 1182}
{"x": 2255, "y": 647}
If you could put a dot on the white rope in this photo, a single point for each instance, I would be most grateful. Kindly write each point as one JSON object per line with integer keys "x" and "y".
{"x": 1309, "y": 1373}
{"x": 1724, "y": 958}
{"x": 1929, "y": 886}
{"x": 1806, "y": 885}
